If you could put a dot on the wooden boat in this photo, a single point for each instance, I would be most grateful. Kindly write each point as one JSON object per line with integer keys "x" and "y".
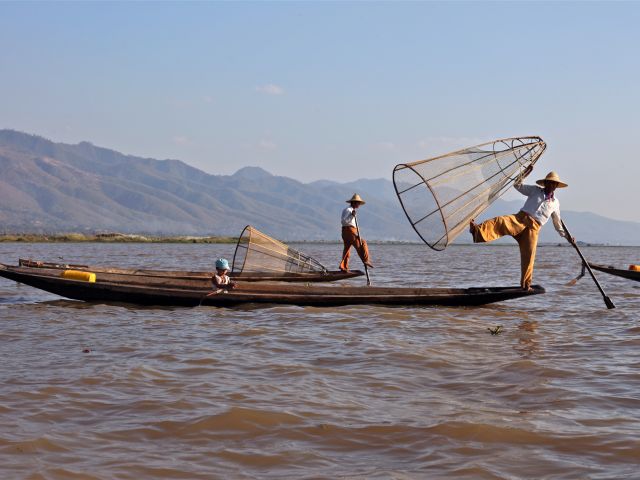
{"x": 154, "y": 290}
{"x": 269, "y": 276}
{"x": 257, "y": 258}
{"x": 619, "y": 272}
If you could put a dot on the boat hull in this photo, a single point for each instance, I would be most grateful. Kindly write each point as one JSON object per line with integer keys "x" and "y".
{"x": 618, "y": 272}
{"x": 112, "y": 288}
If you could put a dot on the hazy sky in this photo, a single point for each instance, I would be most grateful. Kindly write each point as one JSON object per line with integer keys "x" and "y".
{"x": 335, "y": 90}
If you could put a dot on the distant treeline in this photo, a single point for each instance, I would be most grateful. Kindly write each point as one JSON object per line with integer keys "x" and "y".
{"x": 132, "y": 238}
{"x": 108, "y": 238}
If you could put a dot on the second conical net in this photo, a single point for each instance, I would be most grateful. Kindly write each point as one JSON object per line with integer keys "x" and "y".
{"x": 258, "y": 252}
{"x": 441, "y": 195}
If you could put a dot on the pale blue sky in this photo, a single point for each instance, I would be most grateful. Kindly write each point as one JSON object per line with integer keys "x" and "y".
{"x": 335, "y": 90}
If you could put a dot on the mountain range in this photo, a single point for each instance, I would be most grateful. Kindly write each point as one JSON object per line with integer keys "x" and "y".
{"x": 55, "y": 187}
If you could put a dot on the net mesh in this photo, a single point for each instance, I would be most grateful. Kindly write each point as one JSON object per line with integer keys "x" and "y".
{"x": 441, "y": 195}
{"x": 257, "y": 252}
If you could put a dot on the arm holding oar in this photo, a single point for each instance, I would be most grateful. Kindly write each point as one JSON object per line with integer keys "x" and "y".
{"x": 585, "y": 264}
{"x": 220, "y": 280}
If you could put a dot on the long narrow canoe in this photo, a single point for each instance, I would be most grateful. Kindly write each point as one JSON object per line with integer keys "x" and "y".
{"x": 148, "y": 290}
{"x": 328, "y": 276}
{"x": 619, "y": 272}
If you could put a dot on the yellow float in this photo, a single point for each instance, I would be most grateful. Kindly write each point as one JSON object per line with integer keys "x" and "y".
{"x": 78, "y": 275}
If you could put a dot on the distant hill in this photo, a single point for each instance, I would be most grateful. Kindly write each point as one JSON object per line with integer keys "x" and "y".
{"x": 52, "y": 187}
{"x": 56, "y": 187}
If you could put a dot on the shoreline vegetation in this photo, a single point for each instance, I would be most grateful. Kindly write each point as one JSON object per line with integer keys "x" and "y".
{"x": 138, "y": 238}
{"x": 109, "y": 238}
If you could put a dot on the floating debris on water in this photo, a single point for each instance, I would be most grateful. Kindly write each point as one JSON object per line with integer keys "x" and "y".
{"x": 495, "y": 331}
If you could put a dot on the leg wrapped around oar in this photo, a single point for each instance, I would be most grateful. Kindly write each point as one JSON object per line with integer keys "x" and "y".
{"x": 350, "y": 239}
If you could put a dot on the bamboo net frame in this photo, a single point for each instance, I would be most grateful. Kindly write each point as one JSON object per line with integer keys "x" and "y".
{"x": 441, "y": 195}
{"x": 258, "y": 252}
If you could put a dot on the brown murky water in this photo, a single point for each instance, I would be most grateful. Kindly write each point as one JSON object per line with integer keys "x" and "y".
{"x": 356, "y": 392}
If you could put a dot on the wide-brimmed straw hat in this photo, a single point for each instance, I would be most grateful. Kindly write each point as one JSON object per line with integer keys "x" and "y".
{"x": 552, "y": 177}
{"x": 356, "y": 199}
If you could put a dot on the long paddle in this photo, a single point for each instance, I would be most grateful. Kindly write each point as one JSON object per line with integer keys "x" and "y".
{"x": 607, "y": 300}
{"x": 366, "y": 270}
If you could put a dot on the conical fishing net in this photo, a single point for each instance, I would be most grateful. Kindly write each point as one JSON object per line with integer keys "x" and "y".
{"x": 257, "y": 252}
{"x": 441, "y": 195}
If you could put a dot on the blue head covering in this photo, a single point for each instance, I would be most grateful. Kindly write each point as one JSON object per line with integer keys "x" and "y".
{"x": 222, "y": 264}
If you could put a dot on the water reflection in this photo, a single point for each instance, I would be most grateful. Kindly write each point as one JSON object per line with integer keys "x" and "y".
{"x": 528, "y": 343}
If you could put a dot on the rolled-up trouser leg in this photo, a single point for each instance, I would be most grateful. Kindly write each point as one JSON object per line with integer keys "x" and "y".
{"x": 362, "y": 249}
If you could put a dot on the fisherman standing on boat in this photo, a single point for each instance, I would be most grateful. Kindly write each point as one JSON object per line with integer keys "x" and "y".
{"x": 351, "y": 235}
{"x": 525, "y": 225}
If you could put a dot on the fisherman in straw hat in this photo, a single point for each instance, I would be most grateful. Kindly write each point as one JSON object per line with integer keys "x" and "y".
{"x": 351, "y": 235}
{"x": 525, "y": 225}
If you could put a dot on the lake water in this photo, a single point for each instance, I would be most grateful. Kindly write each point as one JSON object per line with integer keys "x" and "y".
{"x": 94, "y": 391}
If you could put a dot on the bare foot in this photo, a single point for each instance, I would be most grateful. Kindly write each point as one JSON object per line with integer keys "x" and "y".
{"x": 369, "y": 264}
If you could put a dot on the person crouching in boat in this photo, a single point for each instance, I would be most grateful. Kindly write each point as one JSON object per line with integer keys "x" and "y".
{"x": 220, "y": 279}
{"x": 525, "y": 225}
{"x": 351, "y": 235}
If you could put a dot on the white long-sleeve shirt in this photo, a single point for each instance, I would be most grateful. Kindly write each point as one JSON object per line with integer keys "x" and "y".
{"x": 539, "y": 207}
{"x": 349, "y": 217}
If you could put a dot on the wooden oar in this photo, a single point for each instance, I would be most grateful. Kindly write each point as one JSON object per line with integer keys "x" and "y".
{"x": 214, "y": 292}
{"x": 607, "y": 300}
{"x": 366, "y": 270}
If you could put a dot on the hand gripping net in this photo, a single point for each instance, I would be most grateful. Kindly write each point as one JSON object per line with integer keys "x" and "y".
{"x": 257, "y": 252}
{"x": 441, "y": 195}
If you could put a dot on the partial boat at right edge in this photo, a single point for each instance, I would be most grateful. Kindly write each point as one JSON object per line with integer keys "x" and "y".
{"x": 618, "y": 272}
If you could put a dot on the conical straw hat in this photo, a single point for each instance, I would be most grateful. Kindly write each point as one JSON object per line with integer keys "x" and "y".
{"x": 553, "y": 177}
{"x": 356, "y": 198}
